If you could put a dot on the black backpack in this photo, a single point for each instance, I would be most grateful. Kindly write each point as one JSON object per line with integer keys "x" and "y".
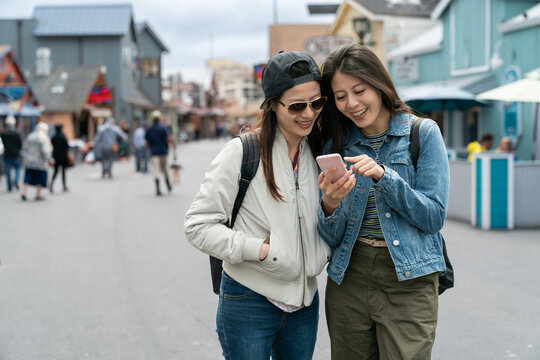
{"x": 250, "y": 163}
{"x": 446, "y": 277}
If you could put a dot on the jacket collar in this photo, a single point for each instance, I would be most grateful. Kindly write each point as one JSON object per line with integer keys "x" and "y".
{"x": 280, "y": 143}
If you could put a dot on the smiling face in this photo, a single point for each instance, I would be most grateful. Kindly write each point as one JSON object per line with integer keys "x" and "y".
{"x": 361, "y": 103}
{"x": 296, "y": 126}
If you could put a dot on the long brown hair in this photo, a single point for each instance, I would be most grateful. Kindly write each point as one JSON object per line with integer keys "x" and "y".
{"x": 266, "y": 129}
{"x": 358, "y": 61}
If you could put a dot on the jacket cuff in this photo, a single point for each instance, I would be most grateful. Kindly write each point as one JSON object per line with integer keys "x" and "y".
{"x": 328, "y": 219}
{"x": 387, "y": 182}
{"x": 252, "y": 248}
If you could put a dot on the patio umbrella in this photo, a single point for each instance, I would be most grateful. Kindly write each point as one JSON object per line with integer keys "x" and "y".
{"x": 440, "y": 97}
{"x": 524, "y": 90}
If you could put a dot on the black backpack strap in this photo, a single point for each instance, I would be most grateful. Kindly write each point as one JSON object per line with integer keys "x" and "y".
{"x": 414, "y": 140}
{"x": 446, "y": 277}
{"x": 250, "y": 164}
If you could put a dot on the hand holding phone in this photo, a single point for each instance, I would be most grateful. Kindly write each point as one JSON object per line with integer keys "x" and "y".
{"x": 327, "y": 162}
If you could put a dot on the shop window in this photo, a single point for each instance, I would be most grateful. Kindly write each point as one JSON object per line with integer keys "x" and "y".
{"x": 150, "y": 67}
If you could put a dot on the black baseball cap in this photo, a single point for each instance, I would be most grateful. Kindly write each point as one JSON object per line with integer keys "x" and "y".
{"x": 276, "y": 76}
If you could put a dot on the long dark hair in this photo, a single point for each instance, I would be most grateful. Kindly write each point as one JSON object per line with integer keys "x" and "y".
{"x": 358, "y": 61}
{"x": 266, "y": 129}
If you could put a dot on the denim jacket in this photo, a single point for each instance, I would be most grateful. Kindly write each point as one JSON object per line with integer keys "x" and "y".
{"x": 411, "y": 206}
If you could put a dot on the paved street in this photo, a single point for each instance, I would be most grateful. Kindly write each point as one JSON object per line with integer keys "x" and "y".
{"x": 104, "y": 272}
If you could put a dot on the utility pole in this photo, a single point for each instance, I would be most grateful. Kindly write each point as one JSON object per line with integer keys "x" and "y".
{"x": 275, "y": 12}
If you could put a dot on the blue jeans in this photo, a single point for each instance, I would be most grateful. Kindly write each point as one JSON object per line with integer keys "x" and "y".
{"x": 141, "y": 159}
{"x": 251, "y": 328}
{"x": 12, "y": 163}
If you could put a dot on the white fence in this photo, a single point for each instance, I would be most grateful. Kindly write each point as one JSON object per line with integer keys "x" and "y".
{"x": 526, "y": 192}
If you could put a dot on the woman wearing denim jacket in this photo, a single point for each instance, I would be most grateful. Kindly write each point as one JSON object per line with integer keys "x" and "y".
{"x": 381, "y": 219}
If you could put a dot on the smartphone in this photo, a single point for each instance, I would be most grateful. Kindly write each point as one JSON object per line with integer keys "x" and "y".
{"x": 327, "y": 162}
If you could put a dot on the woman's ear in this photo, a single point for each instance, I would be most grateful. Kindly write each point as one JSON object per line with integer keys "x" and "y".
{"x": 274, "y": 105}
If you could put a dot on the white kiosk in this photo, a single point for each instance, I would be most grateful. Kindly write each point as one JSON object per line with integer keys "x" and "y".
{"x": 492, "y": 190}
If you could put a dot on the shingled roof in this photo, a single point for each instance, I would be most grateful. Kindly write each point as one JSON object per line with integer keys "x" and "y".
{"x": 82, "y": 20}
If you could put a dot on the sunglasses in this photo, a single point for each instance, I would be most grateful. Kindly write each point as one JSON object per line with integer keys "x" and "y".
{"x": 296, "y": 108}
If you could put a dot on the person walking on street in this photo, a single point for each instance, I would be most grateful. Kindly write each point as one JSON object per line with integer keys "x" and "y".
{"x": 106, "y": 144}
{"x": 157, "y": 139}
{"x": 12, "y": 153}
{"x": 37, "y": 149}
{"x": 141, "y": 152}
{"x": 60, "y": 156}
{"x": 477, "y": 147}
{"x": 269, "y": 302}
{"x": 383, "y": 223}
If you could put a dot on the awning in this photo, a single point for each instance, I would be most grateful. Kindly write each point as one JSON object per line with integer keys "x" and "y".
{"x": 139, "y": 99}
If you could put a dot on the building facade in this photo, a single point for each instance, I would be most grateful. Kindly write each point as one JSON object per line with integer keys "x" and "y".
{"x": 476, "y": 46}
{"x": 99, "y": 35}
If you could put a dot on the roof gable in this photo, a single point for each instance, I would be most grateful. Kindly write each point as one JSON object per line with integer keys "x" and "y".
{"x": 144, "y": 26}
{"x": 88, "y": 20}
{"x": 67, "y": 88}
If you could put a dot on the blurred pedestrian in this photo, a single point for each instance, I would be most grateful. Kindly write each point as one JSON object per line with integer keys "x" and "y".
{"x": 106, "y": 144}
{"x": 37, "y": 149}
{"x": 141, "y": 152}
{"x": 477, "y": 147}
{"x": 12, "y": 152}
{"x": 505, "y": 145}
{"x": 268, "y": 303}
{"x": 158, "y": 139}
{"x": 60, "y": 156}
{"x": 383, "y": 223}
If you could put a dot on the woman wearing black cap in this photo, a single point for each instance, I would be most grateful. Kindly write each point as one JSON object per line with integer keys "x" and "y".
{"x": 268, "y": 303}
{"x": 60, "y": 155}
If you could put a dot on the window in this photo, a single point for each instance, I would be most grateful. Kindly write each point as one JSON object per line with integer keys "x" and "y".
{"x": 126, "y": 56}
{"x": 150, "y": 67}
{"x": 470, "y": 26}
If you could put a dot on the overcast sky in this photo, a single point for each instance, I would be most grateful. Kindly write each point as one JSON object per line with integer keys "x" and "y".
{"x": 196, "y": 30}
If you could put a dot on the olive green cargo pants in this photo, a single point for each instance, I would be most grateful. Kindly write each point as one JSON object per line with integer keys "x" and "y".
{"x": 372, "y": 315}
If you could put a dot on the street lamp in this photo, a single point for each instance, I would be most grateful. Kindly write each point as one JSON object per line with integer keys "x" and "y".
{"x": 361, "y": 27}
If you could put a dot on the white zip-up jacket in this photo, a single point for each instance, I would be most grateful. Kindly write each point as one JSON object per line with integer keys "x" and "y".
{"x": 297, "y": 252}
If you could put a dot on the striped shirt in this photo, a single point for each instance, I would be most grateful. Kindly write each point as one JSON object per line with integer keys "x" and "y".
{"x": 371, "y": 227}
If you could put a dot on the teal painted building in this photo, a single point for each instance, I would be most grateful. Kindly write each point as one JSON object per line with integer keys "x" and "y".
{"x": 476, "y": 45}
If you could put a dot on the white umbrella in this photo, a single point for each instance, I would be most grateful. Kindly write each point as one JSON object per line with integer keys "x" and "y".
{"x": 524, "y": 90}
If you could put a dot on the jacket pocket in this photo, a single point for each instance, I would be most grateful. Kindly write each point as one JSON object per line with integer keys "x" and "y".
{"x": 281, "y": 262}
{"x": 402, "y": 164}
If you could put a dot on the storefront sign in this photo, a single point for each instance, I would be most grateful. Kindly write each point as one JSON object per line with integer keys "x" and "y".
{"x": 405, "y": 69}
{"x": 511, "y": 120}
{"x": 320, "y": 47}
